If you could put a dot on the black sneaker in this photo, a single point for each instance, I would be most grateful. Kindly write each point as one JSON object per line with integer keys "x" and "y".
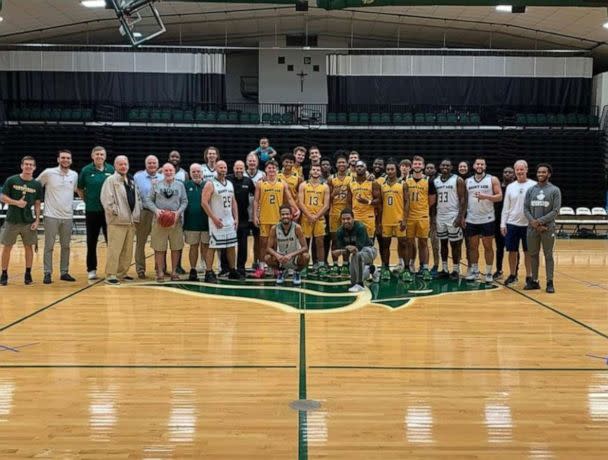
{"x": 497, "y": 274}
{"x": 550, "y": 289}
{"x": 193, "y": 276}
{"x": 124, "y": 278}
{"x": 68, "y": 277}
{"x": 180, "y": 271}
{"x": 442, "y": 275}
{"x": 531, "y": 285}
{"x": 242, "y": 272}
{"x": 210, "y": 277}
{"x": 223, "y": 274}
{"x": 511, "y": 279}
{"x": 454, "y": 275}
{"x": 47, "y": 278}
{"x": 27, "y": 278}
{"x": 4, "y": 279}
{"x": 234, "y": 275}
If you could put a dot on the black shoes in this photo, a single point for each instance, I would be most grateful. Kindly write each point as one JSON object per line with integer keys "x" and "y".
{"x": 531, "y": 285}
{"x": 210, "y": 277}
{"x": 510, "y": 280}
{"x": 66, "y": 277}
{"x": 497, "y": 275}
{"x": 4, "y": 279}
{"x": 27, "y": 278}
{"x": 550, "y": 289}
{"x": 47, "y": 278}
{"x": 193, "y": 276}
{"x": 234, "y": 275}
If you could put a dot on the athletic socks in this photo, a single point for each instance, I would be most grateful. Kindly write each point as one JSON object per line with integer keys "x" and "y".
{"x": 425, "y": 266}
{"x": 444, "y": 266}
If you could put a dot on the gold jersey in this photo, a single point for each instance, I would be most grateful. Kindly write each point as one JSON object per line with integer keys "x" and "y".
{"x": 271, "y": 200}
{"x": 419, "y": 197}
{"x": 392, "y": 203}
{"x": 298, "y": 170}
{"x": 338, "y": 201}
{"x": 292, "y": 182}
{"x": 314, "y": 196}
{"x": 364, "y": 191}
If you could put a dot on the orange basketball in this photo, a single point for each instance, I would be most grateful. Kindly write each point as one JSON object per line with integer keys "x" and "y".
{"x": 166, "y": 218}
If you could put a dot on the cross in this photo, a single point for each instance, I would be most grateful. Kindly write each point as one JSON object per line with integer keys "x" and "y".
{"x": 301, "y": 75}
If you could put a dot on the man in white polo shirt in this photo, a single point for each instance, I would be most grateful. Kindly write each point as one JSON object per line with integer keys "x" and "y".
{"x": 59, "y": 187}
{"x": 513, "y": 221}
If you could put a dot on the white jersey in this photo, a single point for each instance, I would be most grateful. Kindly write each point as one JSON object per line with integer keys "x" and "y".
{"x": 480, "y": 211}
{"x": 447, "y": 197}
{"x": 181, "y": 175}
{"x": 208, "y": 173}
{"x": 255, "y": 178}
{"x": 287, "y": 242}
{"x": 221, "y": 205}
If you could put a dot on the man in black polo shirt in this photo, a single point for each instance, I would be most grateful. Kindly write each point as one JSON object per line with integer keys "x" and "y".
{"x": 243, "y": 189}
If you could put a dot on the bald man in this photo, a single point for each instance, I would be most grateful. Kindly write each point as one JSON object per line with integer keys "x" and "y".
{"x": 122, "y": 205}
{"x": 145, "y": 180}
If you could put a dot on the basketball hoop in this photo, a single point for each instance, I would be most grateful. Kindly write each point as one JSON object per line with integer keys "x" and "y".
{"x": 139, "y": 20}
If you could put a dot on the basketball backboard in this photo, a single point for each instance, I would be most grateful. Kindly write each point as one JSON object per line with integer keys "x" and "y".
{"x": 139, "y": 20}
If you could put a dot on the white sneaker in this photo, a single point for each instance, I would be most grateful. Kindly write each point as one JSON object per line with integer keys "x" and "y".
{"x": 376, "y": 276}
{"x": 471, "y": 275}
{"x": 92, "y": 275}
{"x": 489, "y": 278}
{"x": 356, "y": 288}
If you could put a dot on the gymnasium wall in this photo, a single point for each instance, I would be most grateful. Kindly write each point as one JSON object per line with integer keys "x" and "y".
{"x": 577, "y": 156}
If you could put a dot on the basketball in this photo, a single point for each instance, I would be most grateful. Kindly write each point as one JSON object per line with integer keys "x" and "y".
{"x": 166, "y": 218}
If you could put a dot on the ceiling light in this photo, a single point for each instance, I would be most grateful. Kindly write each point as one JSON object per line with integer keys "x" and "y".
{"x": 1, "y": 19}
{"x": 605, "y": 25}
{"x": 504, "y": 8}
{"x": 93, "y": 3}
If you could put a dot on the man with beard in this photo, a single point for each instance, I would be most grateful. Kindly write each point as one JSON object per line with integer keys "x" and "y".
{"x": 175, "y": 159}
{"x": 313, "y": 200}
{"x": 451, "y": 208}
{"x": 339, "y": 191}
{"x": 541, "y": 207}
{"x": 244, "y": 189}
{"x": 256, "y": 175}
{"x": 353, "y": 157}
{"x": 431, "y": 173}
{"x": 378, "y": 171}
{"x": 483, "y": 191}
{"x": 394, "y": 211}
{"x": 287, "y": 248}
{"x": 219, "y": 204}
{"x": 211, "y": 156}
{"x": 508, "y": 176}
{"x": 196, "y": 222}
{"x": 366, "y": 197}
{"x": 422, "y": 197}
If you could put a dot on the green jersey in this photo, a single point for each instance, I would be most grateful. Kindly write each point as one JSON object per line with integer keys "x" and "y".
{"x": 195, "y": 218}
{"x": 17, "y": 188}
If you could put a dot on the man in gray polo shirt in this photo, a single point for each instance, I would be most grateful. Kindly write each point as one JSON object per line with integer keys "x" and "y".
{"x": 60, "y": 184}
{"x": 541, "y": 207}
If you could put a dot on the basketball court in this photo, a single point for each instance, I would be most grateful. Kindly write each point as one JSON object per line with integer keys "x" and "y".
{"x": 97, "y": 371}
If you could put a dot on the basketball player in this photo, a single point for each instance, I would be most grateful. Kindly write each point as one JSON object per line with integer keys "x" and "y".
{"x": 463, "y": 170}
{"x": 394, "y": 212}
{"x": 219, "y": 204}
{"x": 287, "y": 248}
{"x": 325, "y": 170}
{"x": 289, "y": 176}
{"x": 211, "y": 156}
{"x": 270, "y": 194}
{"x": 175, "y": 159}
{"x": 378, "y": 170}
{"x": 366, "y": 197}
{"x": 313, "y": 200}
{"x": 340, "y": 196}
{"x": 353, "y": 157}
{"x": 483, "y": 190}
{"x": 451, "y": 208}
{"x": 314, "y": 155}
{"x": 299, "y": 154}
{"x": 405, "y": 166}
{"x": 422, "y": 197}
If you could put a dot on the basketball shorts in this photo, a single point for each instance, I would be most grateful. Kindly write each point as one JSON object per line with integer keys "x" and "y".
{"x": 447, "y": 231}
{"x": 312, "y": 229}
{"x": 265, "y": 230}
{"x": 393, "y": 231}
{"x": 417, "y": 228}
{"x": 515, "y": 234}
{"x": 292, "y": 264}
{"x": 483, "y": 230}
{"x": 335, "y": 221}
{"x": 221, "y": 238}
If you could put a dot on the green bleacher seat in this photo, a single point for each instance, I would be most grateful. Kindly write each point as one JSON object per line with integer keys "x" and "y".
{"x": 45, "y": 114}
{"x": 583, "y": 119}
{"x": 375, "y": 118}
{"x": 87, "y": 114}
{"x": 541, "y": 119}
{"x": 211, "y": 116}
{"x": 561, "y": 119}
{"x": 408, "y": 118}
{"x": 287, "y": 118}
{"x": 385, "y": 118}
{"x": 188, "y": 116}
{"x": 244, "y": 117}
{"x": 398, "y": 118}
{"x": 66, "y": 114}
{"x": 165, "y": 115}
{"x": 342, "y": 118}
{"x": 531, "y": 119}
{"x": 222, "y": 117}
{"x": 520, "y": 119}
{"x": 77, "y": 114}
{"x": 276, "y": 119}
{"x": 133, "y": 115}
{"x": 233, "y": 117}
{"x": 451, "y": 118}
{"x": 34, "y": 114}
{"x": 266, "y": 118}
{"x": 15, "y": 113}
{"x": 364, "y": 118}
{"x": 475, "y": 119}
{"x": 419, "y": 118}
{"x": 55, "y": 115}
{"x": 178, "y": 115}
{"x": 572, "y": 119}
{"x": 155, "y": 116}
{"x": 353, "y": 118}
{"x": 594, "y": 120}
{"x": 254, "y": 118}
{"x": 429, "y": 118}
{"x": 200, "y": 116}
{"x": 442, "y": 119}
{"x": 551, "y": 119}
{"x": 465, "y": 119}
{"x": 332, "y": 118}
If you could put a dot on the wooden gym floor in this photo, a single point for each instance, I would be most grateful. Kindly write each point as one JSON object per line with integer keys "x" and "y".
{"x": 184, "y": 371}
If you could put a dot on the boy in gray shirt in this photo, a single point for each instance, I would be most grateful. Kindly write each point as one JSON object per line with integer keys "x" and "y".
{"x": 541, "y": 207}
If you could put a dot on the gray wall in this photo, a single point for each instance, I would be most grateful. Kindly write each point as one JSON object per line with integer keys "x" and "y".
{"x": 239, "y": 64}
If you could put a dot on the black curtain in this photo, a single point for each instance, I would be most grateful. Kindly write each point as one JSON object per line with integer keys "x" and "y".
{"x": 472, "y": 91}
{"x": 121, "y": 88}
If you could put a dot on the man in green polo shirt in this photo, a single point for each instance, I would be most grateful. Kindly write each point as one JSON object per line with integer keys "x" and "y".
{"x": 90, "y": 180}
{"x": 196, "y": 222}
{"x": 21, "y": 192}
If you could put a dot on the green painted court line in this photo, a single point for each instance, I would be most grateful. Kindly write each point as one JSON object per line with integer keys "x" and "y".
{"x": 464, "y": 369}
{"x": 302, "y": 417}
{"x": 144, "y": 366}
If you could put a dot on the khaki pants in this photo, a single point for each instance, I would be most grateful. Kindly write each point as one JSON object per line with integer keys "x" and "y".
{"x": 120, "y": 250}
{"x": 142, "y": 231}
